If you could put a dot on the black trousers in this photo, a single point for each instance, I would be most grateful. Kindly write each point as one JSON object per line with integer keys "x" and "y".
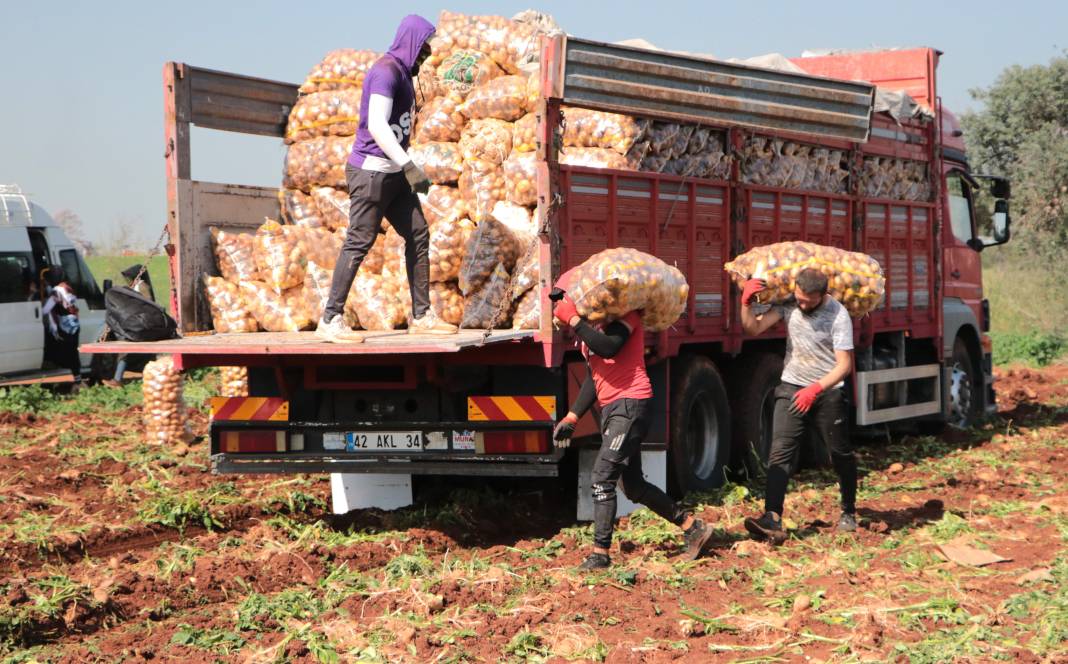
{"x": 372, "y": 196}
{"x": 827, "y": 420}
{"x": 624, "y": 423}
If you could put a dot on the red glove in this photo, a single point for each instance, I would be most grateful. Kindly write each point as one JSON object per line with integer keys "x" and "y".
{"x": 565, "y": 310}
{"x": 805, "y": 397}
{"x": 752, "y": 287}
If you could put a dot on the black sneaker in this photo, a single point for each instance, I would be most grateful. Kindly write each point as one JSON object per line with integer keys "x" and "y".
{"x": 847, "y": 523}
{"x": 767, "y": 527}
{"x": 596, "y": 561}
{"x": 697, "y": 539}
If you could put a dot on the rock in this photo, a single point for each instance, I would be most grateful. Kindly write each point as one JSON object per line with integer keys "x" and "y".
{"x": 72, "y": 474}
{"x": 405, "y": 635}
{"x": 690, "y": 628}
{"x": 100, "y": 595}
{"x": 895, "y": 468}
{"x": 1029, "y": 393}
{"x": 802, "y": 603}
{"x": 879, "y": 527}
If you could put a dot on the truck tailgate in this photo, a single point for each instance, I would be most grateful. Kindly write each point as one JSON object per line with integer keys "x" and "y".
{"x": 306, "y": 343}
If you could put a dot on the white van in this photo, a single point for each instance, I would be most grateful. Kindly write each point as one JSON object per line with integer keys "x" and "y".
{"x": 30, "y": 243}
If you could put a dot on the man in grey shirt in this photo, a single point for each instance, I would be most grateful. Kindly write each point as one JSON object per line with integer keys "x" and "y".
{"x": 819, "y": 345}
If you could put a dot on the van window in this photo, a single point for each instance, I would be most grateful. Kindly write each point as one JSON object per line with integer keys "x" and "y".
{"x": 81, "y": 278}
{"x": 16, "y": 276}
{"x": 960, "y": 207}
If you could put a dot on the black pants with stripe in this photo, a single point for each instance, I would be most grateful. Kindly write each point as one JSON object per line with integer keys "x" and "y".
{"x": 624, "y": 423}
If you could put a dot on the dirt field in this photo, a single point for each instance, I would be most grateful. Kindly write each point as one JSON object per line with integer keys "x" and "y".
{"x": 111, "y": 550}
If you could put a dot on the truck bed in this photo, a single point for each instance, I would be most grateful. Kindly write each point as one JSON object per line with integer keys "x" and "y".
{"x": 306, "y": 343}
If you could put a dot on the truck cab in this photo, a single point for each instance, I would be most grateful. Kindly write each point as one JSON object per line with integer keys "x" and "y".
{"x": 30, "y": 243}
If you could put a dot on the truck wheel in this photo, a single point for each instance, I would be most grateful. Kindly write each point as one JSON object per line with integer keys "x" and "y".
{"x": 965, "y": 392}
{"x": 753, "y": 405}
{"x": 700, "y": 428}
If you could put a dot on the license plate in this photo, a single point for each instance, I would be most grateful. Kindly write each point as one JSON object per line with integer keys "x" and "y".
{"x": 384, "y": 441}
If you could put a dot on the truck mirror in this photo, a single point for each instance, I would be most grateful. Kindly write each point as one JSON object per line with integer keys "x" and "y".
{"x": 1001, "y": 221}
{"x": 1000, "y": 188}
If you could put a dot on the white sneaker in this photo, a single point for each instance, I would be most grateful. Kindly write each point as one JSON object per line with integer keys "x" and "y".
{"x": 337, "y": 332}
{"x": 429, "y": 323}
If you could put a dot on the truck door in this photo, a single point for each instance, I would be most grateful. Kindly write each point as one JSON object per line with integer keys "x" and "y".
{"x": 21, "y": 330}
{"x": 962, "y": 269}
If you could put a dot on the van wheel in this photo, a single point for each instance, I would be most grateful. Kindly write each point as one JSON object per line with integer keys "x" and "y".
{"x": 700, "y": 428}
{"x": 753, "y": 383}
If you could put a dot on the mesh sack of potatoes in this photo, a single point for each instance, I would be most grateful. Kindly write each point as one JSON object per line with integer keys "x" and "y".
{"x": 440, "y": 120}
{"x": 233, "y": 381}
{"x": 521, "y": 178}
{"x": 527, "y": 271}
{"x": 447, "y": 301}
{"x": 584, "y": 128}
{"x": 595, "y": 158}
{"x": 527, "y": 314}
{"x": 854, "y": 279}
{"x": 329, "y": 113}
{"x": 899, "y": 179}
{"x": 682, "y": 141}
{"x": 509, "y": 43}
{"x": 339, "y": 69}
{"x": 229, "y": 313}
{"x": 482, "y": 186}
{"x": 317, "y": 162}
{"x": 163, "y": 410}
{"x": 488, "y": 306}
{"x": 383, "y": 301}
{"x": 317, "y": 282}
{"x": 448, "y": 238}
{"x": 662, "y": 137}
{"x": 441, "y": 202}
{"x": 524, "y": 134}
{"x": 235, "y": 255}
{"x": 518, "y": 220}
{"x": 463, "y": 71}
{"x": 441, "y": 162}
{"x": 614, "y": 282}
{"x": 279, "y": 255}
{"x": 319, "y": 245}
{"x": 491, "y": 244}
{"x": 286, "y": 311}
{"x": 299, "y": 209}
{"x": 333, "y": 207}
{"x": 503, "y": 98}
{"x": 487, "y": 139}
{"x": 388, "y": 247}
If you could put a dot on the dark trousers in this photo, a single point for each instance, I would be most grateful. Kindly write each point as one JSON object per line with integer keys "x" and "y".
{"x": 624, "y": 423}
{"x": 68, "y": 354}
{"x": 372, "y": 196}
{"x": 827, "y": 420}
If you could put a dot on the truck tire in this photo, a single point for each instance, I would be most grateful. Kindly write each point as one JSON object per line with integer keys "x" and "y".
{"x": 753, "y": 383}
{"x": 965, "y": 389}
{"x": 700, "y": 428}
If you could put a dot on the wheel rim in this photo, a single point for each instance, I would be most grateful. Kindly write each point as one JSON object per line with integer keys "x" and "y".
{"x": 960, "y": 397}
{"x": 703, "y": 431}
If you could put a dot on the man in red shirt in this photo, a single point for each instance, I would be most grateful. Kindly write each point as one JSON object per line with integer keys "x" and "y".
{"x": 616, "y": 378}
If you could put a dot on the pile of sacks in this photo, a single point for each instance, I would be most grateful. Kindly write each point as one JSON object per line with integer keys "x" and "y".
{"x": 773, "y": 162}
{"x": 854, "y": 279}
{"x": 897, "y": 179}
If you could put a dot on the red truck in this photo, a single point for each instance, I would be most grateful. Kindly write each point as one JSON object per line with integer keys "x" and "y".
{"x": 484, "y": 403}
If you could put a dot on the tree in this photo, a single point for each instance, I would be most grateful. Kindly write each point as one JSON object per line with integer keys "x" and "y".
{"x": 71, "y": 224}
{"x": 1022, "y": 133}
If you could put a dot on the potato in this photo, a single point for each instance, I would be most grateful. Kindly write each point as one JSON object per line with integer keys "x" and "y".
{"x": 524, "y": 134}
{"x": 441, "y": 202}
{"x": 503, "y": 98}
{"x": 163, "y": 410}
{"x": 233, "y": 381}
{"x": 229, "y": 313}
{"x": 441, "y": 162}
{"x": 464, "y": 71}
{"x": 340, "y": 69}
{"x": 328, "y": 113}
{"x": 584, "y": 128}
{"x": 488, "y": 306}
{"x": 279, "y": 255}
{"x": 521, "y": 178}
{"x": 614, "y": 282}
{"x": 299, "y": 209}
{"x": 491, "y": 243}
{"x": 447, "y": 301}
{"x": 440, "y": 120}
{"x": 333, "y": 207}
{"x": 854, "y": 279}
{"x": 235, "y": 255}
{"x": 448, "y": 239}
{"x": 528, "y": 311}
{"x": 509, "y": 43}
{"x": 482, "y": 186}
{"x": 487, "y": 140}
{"x": 277, "y": 312}
{"x": 317, "y": 162}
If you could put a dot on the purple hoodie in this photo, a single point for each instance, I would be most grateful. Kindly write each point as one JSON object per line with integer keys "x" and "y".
{"x": 391, "y": 77}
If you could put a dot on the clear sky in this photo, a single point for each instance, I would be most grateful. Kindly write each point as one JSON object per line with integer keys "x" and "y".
{"x": 81, "y": 124}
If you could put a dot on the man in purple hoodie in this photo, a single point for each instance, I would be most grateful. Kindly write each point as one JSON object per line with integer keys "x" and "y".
{"x": 383, "y": 182}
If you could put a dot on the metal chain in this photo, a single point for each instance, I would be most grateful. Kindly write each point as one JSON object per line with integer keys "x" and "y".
{"x": 155, "y": 251}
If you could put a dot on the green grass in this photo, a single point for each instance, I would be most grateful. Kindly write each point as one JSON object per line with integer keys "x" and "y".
{"x": 111, "y": 267}
{"x": 1033, "y": 348}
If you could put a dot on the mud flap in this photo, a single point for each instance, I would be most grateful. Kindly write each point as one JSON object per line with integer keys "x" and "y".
{"x": 654, "y": 467}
